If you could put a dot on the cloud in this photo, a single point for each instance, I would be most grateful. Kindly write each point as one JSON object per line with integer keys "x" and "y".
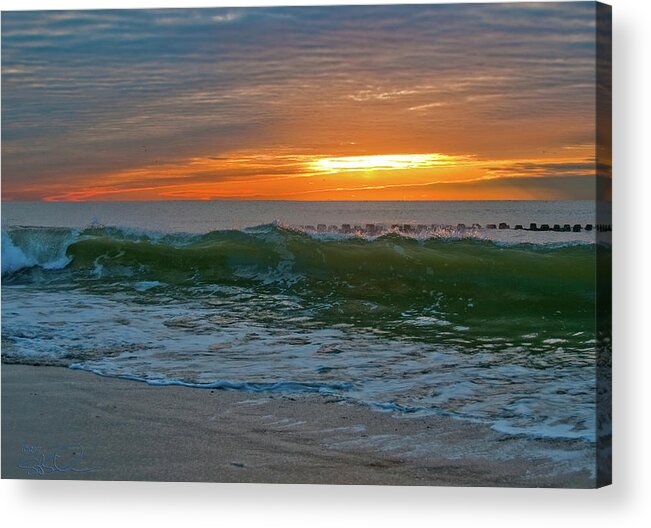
{"x": 82, "y": 91}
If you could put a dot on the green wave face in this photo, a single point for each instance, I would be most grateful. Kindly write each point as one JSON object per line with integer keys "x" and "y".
{"x": 397, "y": 284}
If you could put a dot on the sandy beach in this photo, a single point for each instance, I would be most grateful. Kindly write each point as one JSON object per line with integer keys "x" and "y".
{"x": 132, "y": 431}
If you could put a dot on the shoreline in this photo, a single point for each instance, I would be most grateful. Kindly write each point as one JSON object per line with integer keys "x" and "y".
{"x": 134, "y": 431}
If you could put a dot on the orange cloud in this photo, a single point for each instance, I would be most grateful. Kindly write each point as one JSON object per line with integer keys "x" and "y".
{"x": 291, "y": 176}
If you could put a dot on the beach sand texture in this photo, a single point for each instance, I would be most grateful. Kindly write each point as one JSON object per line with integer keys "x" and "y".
{"x": 133, "y": 431}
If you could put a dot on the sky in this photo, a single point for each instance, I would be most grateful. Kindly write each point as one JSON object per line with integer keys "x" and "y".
{"x": 421, "y": 102}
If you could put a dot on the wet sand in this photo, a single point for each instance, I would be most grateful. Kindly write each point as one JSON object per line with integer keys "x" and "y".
{"x": 133, "y": 431}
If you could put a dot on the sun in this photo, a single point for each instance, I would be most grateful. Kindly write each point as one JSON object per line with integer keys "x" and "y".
{"x": 381, "y": 162}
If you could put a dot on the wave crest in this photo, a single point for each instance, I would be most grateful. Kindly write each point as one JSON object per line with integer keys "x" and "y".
{"x": 286, "y": 257}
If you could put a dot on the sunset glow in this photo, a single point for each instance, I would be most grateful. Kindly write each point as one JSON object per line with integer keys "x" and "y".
{"x": 382, "y": 162}
{"x": 300, "y": 104}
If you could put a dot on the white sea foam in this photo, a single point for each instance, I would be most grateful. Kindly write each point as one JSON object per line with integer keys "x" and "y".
{"x": 203, "y": 344}
{"x": 13, "y": 258}
{"x": 35, "y": 247}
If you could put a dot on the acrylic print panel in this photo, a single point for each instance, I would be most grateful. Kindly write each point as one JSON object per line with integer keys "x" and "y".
{"x": 341, "y": 245}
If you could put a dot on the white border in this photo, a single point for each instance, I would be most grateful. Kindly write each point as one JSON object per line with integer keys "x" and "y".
{"x": 626, "y": 503}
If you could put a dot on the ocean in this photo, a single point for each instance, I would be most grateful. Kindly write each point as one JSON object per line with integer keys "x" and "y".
{"x": 494, "y": 326}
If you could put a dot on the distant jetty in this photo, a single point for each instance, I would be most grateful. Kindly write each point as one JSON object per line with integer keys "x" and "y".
{"x": 379, "y": 229}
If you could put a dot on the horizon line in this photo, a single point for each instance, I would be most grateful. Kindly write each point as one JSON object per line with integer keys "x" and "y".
{"x": 296, "y": 201}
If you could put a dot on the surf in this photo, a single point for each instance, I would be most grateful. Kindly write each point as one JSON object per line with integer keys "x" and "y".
{"x": 467, "y": 278}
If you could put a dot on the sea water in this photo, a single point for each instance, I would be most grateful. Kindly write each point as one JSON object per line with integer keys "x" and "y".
{"x": 491, "y": 326}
